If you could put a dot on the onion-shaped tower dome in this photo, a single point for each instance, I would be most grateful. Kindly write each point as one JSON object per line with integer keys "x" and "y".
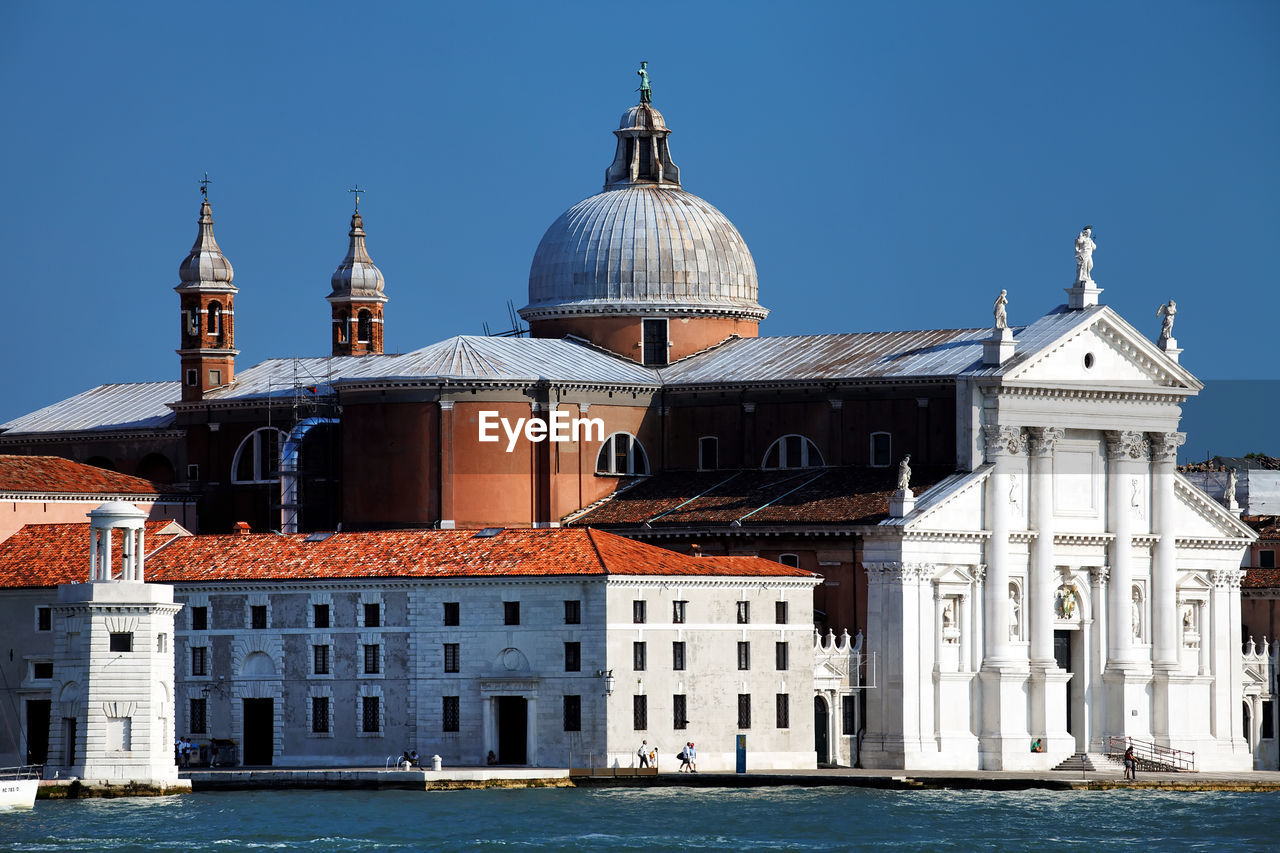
{"x": 205, "y": 267}
{"x": 643, "y": 248}
{"x": 356, "y": 298}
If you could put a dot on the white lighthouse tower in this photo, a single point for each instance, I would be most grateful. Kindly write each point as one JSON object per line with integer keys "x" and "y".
{"x": 113, "y": 719}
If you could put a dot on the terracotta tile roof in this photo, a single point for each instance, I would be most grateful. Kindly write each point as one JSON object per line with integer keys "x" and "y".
{"x": 49, "y": 554}
{"x": 46, "y": 474}
{"x": 1266, "y": 526}
{"x": 791, "y": 497}
{"x": 1261, "y": 579}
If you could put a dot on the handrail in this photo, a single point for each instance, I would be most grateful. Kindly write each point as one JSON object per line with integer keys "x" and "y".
{"x": 1156, "y": 756}
{"x": 22, "y": 771}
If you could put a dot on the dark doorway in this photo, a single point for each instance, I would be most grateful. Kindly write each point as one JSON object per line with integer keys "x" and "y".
{"x": 820, "y": 743}
{"x": 513, "y": 729}
{"x": 69, "y": 744}
{"x": 1062, "y": 654}
{"x": 37, "y": 731}
{"x": 259, "y": 731}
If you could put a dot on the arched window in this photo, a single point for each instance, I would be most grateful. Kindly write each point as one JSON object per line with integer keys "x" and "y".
{"x": 881, "y": 450}
{"x": 344, "y": 320}
{"x": 622, "y": 453}
{"x": 792, "y": 560}
{"x": 708, "y": 453}
{"x": 215, "y": 318}
{"x": 793, "y": 451}
{"x": 258, "y": 457}
{"x": 364, "y": 327}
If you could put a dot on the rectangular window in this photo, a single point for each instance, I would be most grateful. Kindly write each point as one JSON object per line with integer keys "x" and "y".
{"x": 1268, "y": 719}
{"x": 1266, "y": 559}
{"x": 452, "y": 613}
{"x": 678, "y": 611}
{"x": 121, "y": 642}
{"x": 42, "y": 669}
{"x": 44, "y": 619}
{"x": 199, "y": 618}
{"x": 655, "y": 342}
{"x": 258, "y": 616}
{"x": 638, "y": 612}
{"x": 373, "y": 615}
{"x": 372, "y": 659}
{"x": 780, "y": 612}
{"x": 640, "y": 712}
{"x": 848, "y": 715}
{"x": 451, "y": 657}
{"x": 573, "y": 713}
{"x": 193, "y": 471}
{"x": 450, "y": 713}
{"x": 199, "y": 660}
{"x": 119, "y": 734}
{"x": 215, "y": 378}
{"x": 572, "y": 657}
{"x": 744, "y": 710}
{"x": 679, "y": 715}
{"x": 708, "y": 453}
{"x": 198, "y": 719}
{"x": 638, "y": 656}
{"x": 881, "y": 449}
{"x": 191, "y": 377}
{"x": 573, "y": 612}
{"x": 320, "y": 660}
{"x": 320, "y": 714}
{"x": 510, "y": 613}
{"x": 369, "y": 714}
{"x": 744, "y": 612}
{"x": 781, "y": 656}
{"x": 744, "y": 656}
{"x": 677, "y": 655}
{"x": 320, "y": 614}
{"x": 782, "y": 705}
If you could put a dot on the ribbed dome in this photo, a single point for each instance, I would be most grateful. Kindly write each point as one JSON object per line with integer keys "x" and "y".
{"x": 205, "y": 265}
{"x": 356, "y": 276}
{"x": 642, "y": 248}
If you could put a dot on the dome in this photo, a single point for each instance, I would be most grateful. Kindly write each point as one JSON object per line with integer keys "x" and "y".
{"x": 644, "y": 245}
{"x": 642, "y": 248}
{"x": 357, "y": 277}
{"x": 205, "y": 265}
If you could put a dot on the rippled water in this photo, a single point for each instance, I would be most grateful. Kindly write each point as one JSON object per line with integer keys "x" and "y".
{"x": 654, "y": 819}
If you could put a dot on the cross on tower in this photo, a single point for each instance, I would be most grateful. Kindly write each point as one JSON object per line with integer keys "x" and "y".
{"x": 356, "y": 189}
{"x": 204, "y": 186}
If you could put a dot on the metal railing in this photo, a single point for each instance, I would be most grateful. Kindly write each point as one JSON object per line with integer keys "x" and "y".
{"x": 1151, "y": 755}
{"x": 23, "y": 771}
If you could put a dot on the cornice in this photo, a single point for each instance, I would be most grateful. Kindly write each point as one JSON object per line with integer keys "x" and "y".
{"x": 90, "y": 435}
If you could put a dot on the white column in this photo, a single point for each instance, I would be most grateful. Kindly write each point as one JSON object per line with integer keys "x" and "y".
{"x": 486, "y": 722}
{"x": 1039, "y": 600}
{"x": 964, "y": 623}
{"x": 104, "y": 554}
{"x": 531, "y": 731}
{"x": 938, "y": 602}
{"x": 141, "y": 552}
{"x": 978, "y": 651}
{"x": 1126, "y": 454}
{"x": 1165, "y": 619}
{"x": 1002, "y": 444}
{"x": 1097, "y": 695}
{"x": 95, "y": 536}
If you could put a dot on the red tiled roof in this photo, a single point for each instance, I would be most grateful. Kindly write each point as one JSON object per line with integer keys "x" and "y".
{"x": 1261, "y": 579}
{"x": 1266, "y": 526}
{"x": 798, "y": 497}
{"x": 44, "y": 474}
{"x": 50, "y": 554}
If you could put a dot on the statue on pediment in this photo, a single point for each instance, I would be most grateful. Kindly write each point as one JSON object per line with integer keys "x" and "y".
{"x": 1084, "y": 255}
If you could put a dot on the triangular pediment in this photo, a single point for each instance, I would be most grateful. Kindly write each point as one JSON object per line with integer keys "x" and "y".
{"x": 1199, "y": 516}
{"x": 1102, "y": 350}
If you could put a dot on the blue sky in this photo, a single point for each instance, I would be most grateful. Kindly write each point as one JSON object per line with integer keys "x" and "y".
{"x": 891, "y": 165}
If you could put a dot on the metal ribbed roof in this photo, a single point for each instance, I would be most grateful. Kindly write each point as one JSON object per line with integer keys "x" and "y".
{"x": 642, "y": 248}
{"x": 127, "y": 405}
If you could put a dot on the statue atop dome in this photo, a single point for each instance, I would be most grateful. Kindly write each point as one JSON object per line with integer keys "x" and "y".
{"x": 646, "y": 93}
{"x": 1084, "y": 255}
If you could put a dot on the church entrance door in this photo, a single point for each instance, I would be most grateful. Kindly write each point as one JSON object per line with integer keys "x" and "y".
{"x": 821, "y": 745}
{"x": 259, "y": 731}
{"x": 513, "y": 729}
{"x": 38, "y": 731}
{"x": 1062, "y": 655}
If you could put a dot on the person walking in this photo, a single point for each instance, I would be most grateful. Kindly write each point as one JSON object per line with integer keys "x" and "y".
{"x": 643, "y": 752}
{"x": 693, "y": 758}
{"x": 684, "y": 759}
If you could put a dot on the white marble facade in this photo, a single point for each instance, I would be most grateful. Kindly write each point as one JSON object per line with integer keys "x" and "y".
{"x": 1070, "y": 585}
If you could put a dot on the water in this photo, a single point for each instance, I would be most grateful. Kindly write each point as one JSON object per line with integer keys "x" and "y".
{"x": 799, "y": 819}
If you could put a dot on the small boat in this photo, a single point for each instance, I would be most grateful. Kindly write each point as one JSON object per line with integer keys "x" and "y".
{"x": 18, "y": 786}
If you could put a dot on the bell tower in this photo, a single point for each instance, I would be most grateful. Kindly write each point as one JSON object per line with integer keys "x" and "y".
{"x": 207, "y": 302}
{"x": 357, "y": 298}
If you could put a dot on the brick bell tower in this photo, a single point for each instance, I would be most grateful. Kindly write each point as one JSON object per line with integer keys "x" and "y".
{"x": 207, "y": 300}
{"x": 357, "y": 298}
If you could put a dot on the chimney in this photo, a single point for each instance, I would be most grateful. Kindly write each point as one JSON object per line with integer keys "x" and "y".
{"x": 241, "y": 528}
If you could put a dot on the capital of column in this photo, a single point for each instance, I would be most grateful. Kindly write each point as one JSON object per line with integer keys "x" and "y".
{"x": 1226, "y": 578}
{"x": 1164, "y": 445}
{"x": 1127, "y": 444}
{"x": 749, "y": 408}
{"x": 1041, "y": 440}
{"x": 446, "y": 405}
{"x": 836, "y": 404}
{"x": 979, "y": 572}
{"x": 1003, "y": 440}
{"x": 1100, "y": 574}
